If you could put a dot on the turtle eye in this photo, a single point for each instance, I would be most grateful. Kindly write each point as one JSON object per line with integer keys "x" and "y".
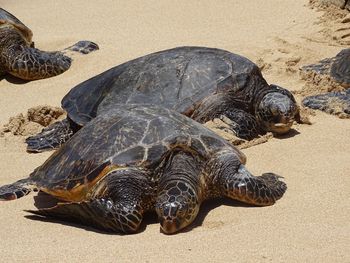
{"x": 159, "y": 208}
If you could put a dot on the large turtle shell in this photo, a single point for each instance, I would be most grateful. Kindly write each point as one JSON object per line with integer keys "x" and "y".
{"x": 128, "y": 135}
{"x": 8, "y": 18}
{"x": 177, "y": 79}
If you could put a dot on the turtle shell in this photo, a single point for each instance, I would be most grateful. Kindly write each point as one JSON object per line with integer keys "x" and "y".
{"x": 340, "y": 69}
{"x": 177, "y": 79}
{"x": 128, "y": 135}
{"x": 9, "y": 19}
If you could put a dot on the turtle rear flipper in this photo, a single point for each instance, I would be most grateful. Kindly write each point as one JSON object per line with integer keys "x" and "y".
{"x": 51, "y": 137}
{"x": 16, "y": 190}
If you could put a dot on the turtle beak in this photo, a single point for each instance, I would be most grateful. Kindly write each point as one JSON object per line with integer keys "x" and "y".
{"x": 282, "y": 127}
{"x": 169, "y": 225}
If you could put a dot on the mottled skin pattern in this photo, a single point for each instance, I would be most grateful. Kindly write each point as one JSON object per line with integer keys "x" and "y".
{"x": 201, "y": 83}
{"x": 338, "y": 68}
{"x": 19, "y": 58}
{"x": 138, "y": 158}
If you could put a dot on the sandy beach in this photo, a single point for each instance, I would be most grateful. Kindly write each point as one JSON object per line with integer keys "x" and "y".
{"x": 309, "y": 224}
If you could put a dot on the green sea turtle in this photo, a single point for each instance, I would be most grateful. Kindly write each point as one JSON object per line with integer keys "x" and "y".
{"x": 137, "y": 158}
{"x": 339, "y": 3}
{"x": 19, "y": 58}
{"x": 201, "y": 83}
{"x": 338, "y": 68}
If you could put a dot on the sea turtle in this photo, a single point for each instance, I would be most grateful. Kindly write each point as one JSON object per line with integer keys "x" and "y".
{"x": 137, "y": 158}
{"x": 339, "y": 3}
{"x": 201, "y": 83}
{"x": 338, "y": 68}
{"x": 19, "y": 58}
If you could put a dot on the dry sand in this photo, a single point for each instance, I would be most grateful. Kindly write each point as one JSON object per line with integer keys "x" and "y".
{"x": 309, "y": 224}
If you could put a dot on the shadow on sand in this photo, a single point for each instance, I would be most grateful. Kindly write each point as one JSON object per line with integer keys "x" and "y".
{"x": 43, "y": 200}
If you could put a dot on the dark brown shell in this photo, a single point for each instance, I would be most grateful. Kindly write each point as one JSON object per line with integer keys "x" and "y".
{"x": 340, "y": 69}
{"x": 128, "y": 135}
{"x": 8, "y": 18}
{"x": 177, "y": 79}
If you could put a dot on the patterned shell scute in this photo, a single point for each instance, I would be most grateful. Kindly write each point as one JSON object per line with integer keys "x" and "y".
{"x": 117, "y": 139}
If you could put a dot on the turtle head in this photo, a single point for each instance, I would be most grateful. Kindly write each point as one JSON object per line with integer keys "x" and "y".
{"x": 177, "y": 207}
{"x": 277, "y": 110}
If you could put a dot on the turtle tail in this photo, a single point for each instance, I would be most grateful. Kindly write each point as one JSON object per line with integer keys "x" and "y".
{"x": 30, "y": 63}
{"x": 16, "y": 190}
{"x": 51, "y": 137}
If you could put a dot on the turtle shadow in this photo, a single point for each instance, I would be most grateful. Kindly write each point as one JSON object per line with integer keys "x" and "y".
{"x": 69, "y": 222}
{"x": 292, "y": 132}
{"x": 43, "y": 200}
{"x": 13, "y": 79}
{"x": 209, "y": 205}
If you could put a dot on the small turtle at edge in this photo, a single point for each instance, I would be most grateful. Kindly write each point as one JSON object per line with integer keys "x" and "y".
{"x": 20, "y": 58}
{"x": 201, "y": 83}
{"x": 338, "y": 68}
{"x": 135, "y": 158}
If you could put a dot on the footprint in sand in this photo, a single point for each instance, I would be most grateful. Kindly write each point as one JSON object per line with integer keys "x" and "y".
{"x": 213, "y": 224}
{"x": 342, "y": 34}
{"x": 335, "y": 22}
{"x": 285, "y": 58}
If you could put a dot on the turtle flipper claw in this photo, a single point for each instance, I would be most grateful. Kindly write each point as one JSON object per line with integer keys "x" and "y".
{"x": 50, "y": 137}
{"x": 14, "y": 191}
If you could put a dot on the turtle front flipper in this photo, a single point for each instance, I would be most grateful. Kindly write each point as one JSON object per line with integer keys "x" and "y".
{"x": 83, "y": 47}
{"x": 31, "y": 64}
{"x": 243, "y": 124}
{"x": 236, "y": 182}
{"x": 337, "y": 103}
{"x": 323, "y": 67}
{"x": 16, "y": 190}
{"x": 51, "y": 137}
{"x": 338, "y": 68}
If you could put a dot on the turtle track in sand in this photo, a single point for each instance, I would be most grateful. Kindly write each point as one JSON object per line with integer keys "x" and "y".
{"x": 335, "y": 21}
